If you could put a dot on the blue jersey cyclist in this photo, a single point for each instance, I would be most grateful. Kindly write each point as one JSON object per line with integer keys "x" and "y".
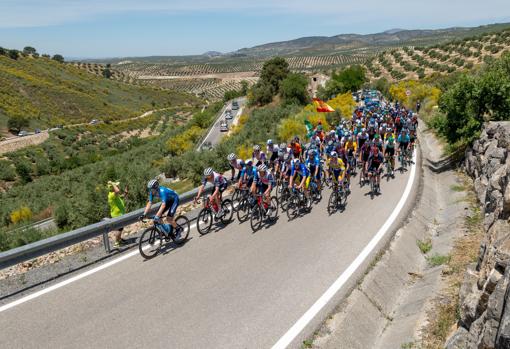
{"x": 313, "y": 164}
{"x": 220, "y": 184}
{"x": 169, "y": 203}
{"x": 247, "y": 174}
{"x": 299, "y": 171}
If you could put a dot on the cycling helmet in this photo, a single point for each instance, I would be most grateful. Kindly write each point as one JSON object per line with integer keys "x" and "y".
{"x": 208, "y": 171}
{"x": 269, "y": 142}
{"x": 248, "y": 162}
{"x": 297, "y": 161}
{"x": 376, "y": 136}
{"x": 262, "y": 168}
{"x": 312, "y": 152}
{"x": 153, "y": 184}
{"x": 283, "y": 146}
{"x": 330, "y": 143}
{"x": 334, "y": 154}
{"x": 256, "y": 147}
{"x": 286, "y": 157}
{"x": 231, "y": 157}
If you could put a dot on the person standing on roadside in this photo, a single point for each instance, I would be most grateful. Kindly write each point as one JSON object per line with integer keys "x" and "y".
{"x": 117, "y": 208}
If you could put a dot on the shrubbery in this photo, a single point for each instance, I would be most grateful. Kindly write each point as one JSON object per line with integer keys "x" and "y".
{"x": 473, "y": 99}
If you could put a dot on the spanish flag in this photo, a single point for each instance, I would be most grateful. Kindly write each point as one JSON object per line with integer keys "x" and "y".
{"x": 322, "y": 107}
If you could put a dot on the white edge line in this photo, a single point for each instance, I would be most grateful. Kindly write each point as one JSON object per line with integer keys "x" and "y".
{"x": 304, "y": 320}
{"x": 73, "y": 279}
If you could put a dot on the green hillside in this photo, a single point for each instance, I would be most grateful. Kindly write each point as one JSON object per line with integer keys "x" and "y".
{"x": 49, "y": 93}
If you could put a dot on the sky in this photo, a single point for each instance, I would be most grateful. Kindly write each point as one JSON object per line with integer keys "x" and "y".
{"x": 123, "y": 28}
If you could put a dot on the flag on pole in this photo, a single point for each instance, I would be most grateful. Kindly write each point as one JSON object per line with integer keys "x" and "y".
{"x": 309, "y": 128}
{"x": 322, "y": 107}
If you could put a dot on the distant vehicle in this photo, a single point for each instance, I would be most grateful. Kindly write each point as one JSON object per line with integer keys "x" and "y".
{"x": 59, "y": 126}
{"x": 223, "y": 126}
{"x": 207, "y": 146}
{"x": 22, "y": 133}
{"x": 228, "y": 114}
{"x": 235, "y": 105}
{"x": 94, "y": 122}
{"x": 37, "y": 131}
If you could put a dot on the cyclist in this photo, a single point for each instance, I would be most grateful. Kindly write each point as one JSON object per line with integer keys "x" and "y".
{"x": 374, "y": 165}
{"x": 389, "y": 149}
{"x": 258, "y": 156}
{"x": 235, "y": 164}
{"x": 336, "y": 168}
{"x": 272, "y": 150}
{"x": 296, "y": 148}
{"x": 169, "y": 203}
{"x": 313, "y": 164}
{"x": 403, "y": 141}
{"x": 364, "y": 154}
{"x": 220, "y": 184}
{"x": 247, "y": 174}
{"x": 263, "y": 185}
{"x": 301, "y": 173}
{"x": 351, "y": 147}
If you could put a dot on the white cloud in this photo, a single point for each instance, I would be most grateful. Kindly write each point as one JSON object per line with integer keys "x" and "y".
{"x": 35, "y": 13}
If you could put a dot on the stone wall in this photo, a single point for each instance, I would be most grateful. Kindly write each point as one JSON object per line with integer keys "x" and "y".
{"x": 485, "y": 291}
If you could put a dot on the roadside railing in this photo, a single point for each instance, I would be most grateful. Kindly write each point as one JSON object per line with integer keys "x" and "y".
{"x": 57, "y": 242}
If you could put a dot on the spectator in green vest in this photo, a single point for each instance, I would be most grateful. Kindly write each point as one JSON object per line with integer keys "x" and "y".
{"x": 117, "y": 208}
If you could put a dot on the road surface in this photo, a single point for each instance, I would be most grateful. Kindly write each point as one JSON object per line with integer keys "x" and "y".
{"x": 214, "y": 135}
{"x": 229, "y": 289}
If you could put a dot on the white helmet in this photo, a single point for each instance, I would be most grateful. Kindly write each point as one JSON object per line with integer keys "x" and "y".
{"x": 231, "y": 157}
{"x": 262, "y": 168}
{"x": 256, "y": 147}
{"x": 208, "y": 171}
{"x": 153, "y": 184}
{"x": 334, "y": 154}
{"x": 269, "y": 142}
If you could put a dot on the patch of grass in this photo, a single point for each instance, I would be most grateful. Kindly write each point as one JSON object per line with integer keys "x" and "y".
{"x": 307, "y": 344}
{"x": 457, "y": 188}
{"x": 182, "y": 186}
{"x": 408, "y": 345}
{"x": 437, "y": 260}
{"x": 424, "y": 245}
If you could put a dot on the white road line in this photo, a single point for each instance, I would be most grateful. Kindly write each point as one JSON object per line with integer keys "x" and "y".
{"x": 304, "y": 320}
{"x": 74, "y": 278}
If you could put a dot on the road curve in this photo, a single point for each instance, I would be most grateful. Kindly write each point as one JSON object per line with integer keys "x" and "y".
{"x": 229, "y": 289}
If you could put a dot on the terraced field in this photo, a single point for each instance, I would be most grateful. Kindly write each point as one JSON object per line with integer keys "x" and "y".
{"x": 418, "y": 62}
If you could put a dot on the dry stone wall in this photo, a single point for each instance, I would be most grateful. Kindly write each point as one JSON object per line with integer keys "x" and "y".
{"x": 485, "y": 291}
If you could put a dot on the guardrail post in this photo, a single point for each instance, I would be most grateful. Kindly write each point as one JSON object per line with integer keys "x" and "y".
{"x": 106, "y": 238}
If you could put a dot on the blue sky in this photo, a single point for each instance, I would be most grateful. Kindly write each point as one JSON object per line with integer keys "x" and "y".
{"x": 114, "y": 28}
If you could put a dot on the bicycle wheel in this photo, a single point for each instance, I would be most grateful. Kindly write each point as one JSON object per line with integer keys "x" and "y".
{"x": 292, "y": 207}
{"x": 284, "y": 199}
{"x": 332, "y": 202}
{"x": 243, "y": 210}
{"x": 149, "y": 243}
{"x": 228, "y": 211}
{"x": 204, "y": 221}
{"x": 182, "y": 222}
{"x": 372, "y": 187}
{"x": 274, "y": 209}
{"x": 342, "y": 198}
{"x": 256, "y": 218}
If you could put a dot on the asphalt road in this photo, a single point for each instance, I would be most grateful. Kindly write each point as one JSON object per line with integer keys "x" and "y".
{"x": 229, "y": 289}
{"x": 215, "y": 135}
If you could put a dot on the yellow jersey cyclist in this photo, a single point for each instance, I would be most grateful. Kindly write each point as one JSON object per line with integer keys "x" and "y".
{"x": 336, "y": 168}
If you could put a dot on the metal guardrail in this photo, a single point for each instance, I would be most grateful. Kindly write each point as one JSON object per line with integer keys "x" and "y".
{"x": 57, "y": 242}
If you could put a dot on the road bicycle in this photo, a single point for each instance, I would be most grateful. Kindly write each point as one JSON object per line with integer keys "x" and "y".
{"x": 246, "y": 203}
{"x": 315, "y": 193}
{"x": 208, "y": 214}
{"x": 338, "y": 197}
{"x": 352, "y": 164}
{"x": 389, "y": 167}
{"x": 154, "y": 238}
{"x": 298, "y": 202}
{"x": 262, "y": 210}
{"x": 374, "y": 187}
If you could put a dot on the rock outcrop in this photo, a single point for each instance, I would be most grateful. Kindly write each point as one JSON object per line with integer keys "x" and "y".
{"x": 485, "y": 291}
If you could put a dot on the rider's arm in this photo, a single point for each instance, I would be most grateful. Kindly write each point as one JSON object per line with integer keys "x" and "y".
{"x": 161, "y": 209}
{"x": 200, "y": 190}
{"x": 147, "y": 207}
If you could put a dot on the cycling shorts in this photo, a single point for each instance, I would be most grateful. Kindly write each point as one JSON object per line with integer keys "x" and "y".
{"x": 171, "y": 207}
{"x": 390, "y": 151}
{"x": 404, "y": 145}
{"x": 261, "y": 187}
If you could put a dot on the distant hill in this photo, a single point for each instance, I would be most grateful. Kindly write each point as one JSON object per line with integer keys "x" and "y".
{"x": 50, "y": 93}
{"x": 340, "y": 43}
